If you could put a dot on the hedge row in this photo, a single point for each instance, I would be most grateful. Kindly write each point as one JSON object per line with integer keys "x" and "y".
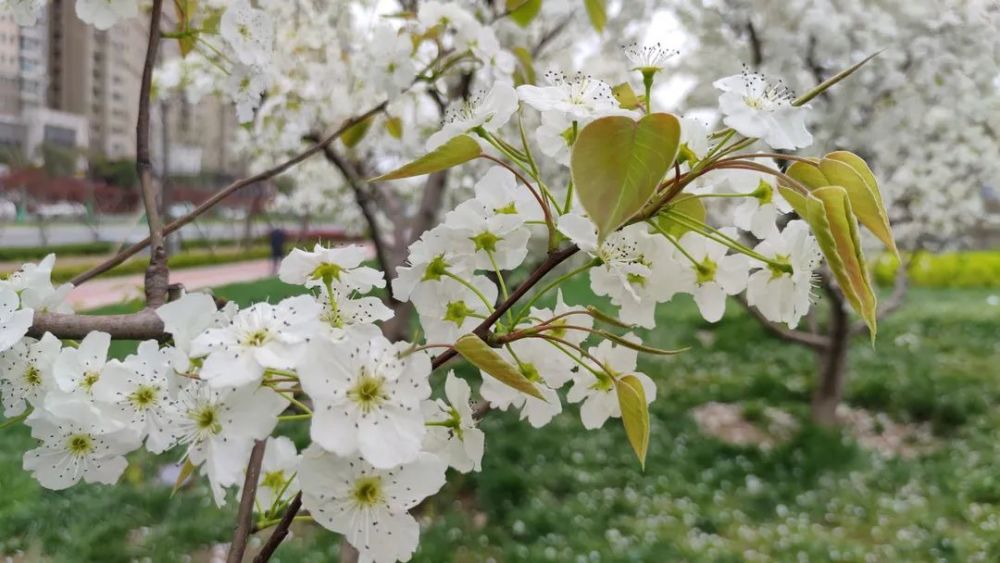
{"x": 177, "y": 261}
{"x": 979, "y": 268}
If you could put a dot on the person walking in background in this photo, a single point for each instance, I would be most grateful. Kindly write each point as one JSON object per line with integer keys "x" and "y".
{"x": 277, "y": 237}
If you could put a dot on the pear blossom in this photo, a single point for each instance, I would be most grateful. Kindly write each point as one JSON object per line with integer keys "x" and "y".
{"x": 245, "y": 86}
{"x": 712, "y": 275}
{"x": 324, "y": 266}
{"x": 344, "y": 312}
{"x": 14, "y": 321}
{"x": 541, "y": 363}
{"x": 190, "y": 315}
{"x": 448, "y": 308}
{"x": 142, "y": 389}
{"x": 369, "y": 505}
{"x": 438, "y": 252}
{"x": 634, "y": 267}
{"x": 26, "y": 373}
{"x": 278, "y": 472}
{"x": 78, "y": 369}
{"x": 219, "y": 427}
{"x": 758, "y": 109}
{"x": 260, "y": 337}
{"x": 498, "y": 239}
{"x": 650, "y": 58}
{"x": 103, "y": 14}
{"x": 555, "y": 136}
{"x": 33, "y": 284}
{"x": 367, "y": 396}
{"x": 580, "y": 97}
{"x": 597, "y": 392}
{"x": 694, "y": 138}
{"x": 393, "y": 68}
{"x": 452, "y": 433}
{"x": 783, "y": 296}
{"x": 250, "y": 32}
{"x": 500, "y": 194}
{"x": 489, "y": 110}
{"x": 75, "y": 445}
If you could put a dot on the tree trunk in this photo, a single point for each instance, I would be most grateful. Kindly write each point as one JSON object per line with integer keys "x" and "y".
{"x": 832, "y": 364}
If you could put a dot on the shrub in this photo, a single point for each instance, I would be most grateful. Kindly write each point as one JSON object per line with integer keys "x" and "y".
{"x": 953, "y": 269}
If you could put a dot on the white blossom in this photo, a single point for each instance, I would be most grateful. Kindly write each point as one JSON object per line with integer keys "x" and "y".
{"x": 103, "y": 14}
{"x": 489, "y": 110}
{"x": 756, "y": 108}
{"x": 597, "y": 392}
{"x": 26, "y": 373}
{"x": 248, "y": 31}
{"x": 779, "y": 295}
{"x": 452, "y": 433}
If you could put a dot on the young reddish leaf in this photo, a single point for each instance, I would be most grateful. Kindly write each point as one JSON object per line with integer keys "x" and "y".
{"x": 617, "y": 163}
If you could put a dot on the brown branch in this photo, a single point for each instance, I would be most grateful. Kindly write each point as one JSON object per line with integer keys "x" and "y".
{"x": 550, "y": 35}
{"x": 143, "y": 325}
{"x": 243, "y": 518}
{"x": 551, "y": 261}
{"x": 223, "y": 194}
{"x": 156, "y": 273}
{"x": 756, "y": 47}
{"x": 280, "y": 531}
{"x": 815, "y": 341}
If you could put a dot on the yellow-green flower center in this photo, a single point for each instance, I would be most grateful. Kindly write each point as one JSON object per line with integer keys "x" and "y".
{"x": 206, "y": 419}
{"x": 367, "y": 491}
{"x": 143, "y": 397}
{"x": 369, "y": 392}
{"x": 705, "y": 271}
{"x": 89, "y": 379}
{"x": 256, "y": 338}
{"x": 80, "y": 444}
{"x": 32, "y": 376}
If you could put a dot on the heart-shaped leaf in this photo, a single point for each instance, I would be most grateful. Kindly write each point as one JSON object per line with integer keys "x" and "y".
{"x": 635, "y": 414}
{"x": 617, "y": 162}
{"x": 479, "y": 354}
{"x": 462, "y": 148}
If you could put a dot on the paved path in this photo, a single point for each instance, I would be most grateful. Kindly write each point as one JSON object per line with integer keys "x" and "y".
{"x": 107, "y": 291}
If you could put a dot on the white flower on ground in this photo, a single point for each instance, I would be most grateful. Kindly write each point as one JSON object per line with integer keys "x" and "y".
{"x": 278, "y": 472}
{"x": 219, "y": 427}
{"x": 14, "y": 321}
{"x": 500, "y": 194}
{"x": 249, "y": 32}
{"x": 580, "y": 97}
{"x": 76, "y": 445}
{"x": 498, "y": 239}
{"x": 26, "y": 373}
{"x": 452, "y": 434}
{"x": 78, "y": 369}
{"x": 597, "y": 392}
{"x": 103, "y": 14}
{"x": 758, "y": 109}
{"x": 489, "y": 110}
{"x": 25, "y": 12}
{"x": 448, "y": 309}
{"x": 260, "y": 337}
{"x": 779, "y": 295}
{"x": 323, "y": 265}
{"x": 142, "y": 390}
{"x": 634, "y": 271}
{"x": 541, "y": 363}
{"x": 712, "y": 276}
{"x": 366, "y": 397}
{"x": 368, "y": 505}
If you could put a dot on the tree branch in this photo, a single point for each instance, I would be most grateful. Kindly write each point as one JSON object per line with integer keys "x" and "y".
{"x": 243, "y": 518}
{"x": 223, "y": 194}
{"x": 143, "y": 325}
{"x": 156, "y": 273}
{"x": 280, "y": 531}
{"x": 815, "y": 341}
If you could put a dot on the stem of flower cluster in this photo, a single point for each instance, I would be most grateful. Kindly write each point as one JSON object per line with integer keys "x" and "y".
{"x": 472, "y": 288}
{"x": 548, "y": 287}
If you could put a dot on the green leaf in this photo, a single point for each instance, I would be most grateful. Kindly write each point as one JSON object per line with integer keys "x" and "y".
{"x": 626, "y": 96}
{"x": 597, "y": 12}
{"x": 188, "y": 38}
{"x": 635, "y": 414}
{"x": 808, "y": 173}
{"x": 479, "y": 354}
{"x": 186, "y": 470}
{"x": 456, "y": 151}
{"x": 525, "y": 71}
{"x": 617, "y": 163}
{"x": 523, "y": 12}
{"x": 353, "y": 134}
{"x": 686, "y": 204}
{"x": 210, "y": 25}
{"x": 849, "y": 170}
{"x": 394, "y": 126}
{"x": 832, "y": 221}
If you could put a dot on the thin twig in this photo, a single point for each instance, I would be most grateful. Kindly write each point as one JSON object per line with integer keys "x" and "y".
{"x": 244, "y": 518}
{"x": 280, "y": 531}
{"x": 223, "y": 194}
{"x": 156, "y": 273}
{"x": 814, "y": 341}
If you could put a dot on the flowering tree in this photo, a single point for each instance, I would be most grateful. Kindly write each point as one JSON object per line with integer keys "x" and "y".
{"x": 605, "y": 183}
{"x": 923, "y": 113}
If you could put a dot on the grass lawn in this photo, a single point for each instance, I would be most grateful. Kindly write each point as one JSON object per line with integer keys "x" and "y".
{"x": 565, "y": 494}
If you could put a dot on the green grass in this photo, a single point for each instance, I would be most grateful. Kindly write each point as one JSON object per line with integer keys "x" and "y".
{"x": 565, "y": 494}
